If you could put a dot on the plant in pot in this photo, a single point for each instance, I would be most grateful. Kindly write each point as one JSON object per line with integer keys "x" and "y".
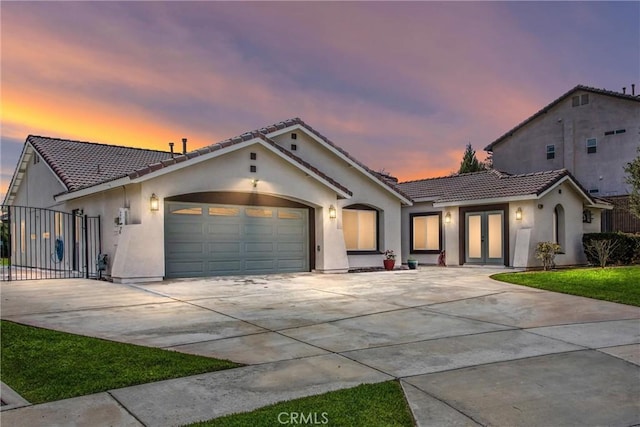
{"x": 389, "y": 259}
{"x": 412, "y": 263}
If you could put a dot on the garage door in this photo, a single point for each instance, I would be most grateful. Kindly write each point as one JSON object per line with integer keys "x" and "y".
{"x": 214, "y": 239}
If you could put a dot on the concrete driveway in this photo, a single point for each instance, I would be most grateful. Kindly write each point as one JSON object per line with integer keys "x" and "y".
{"x": 468, "y": 350}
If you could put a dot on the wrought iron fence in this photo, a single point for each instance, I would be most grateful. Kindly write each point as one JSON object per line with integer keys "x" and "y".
{"x": 37, "y": 243}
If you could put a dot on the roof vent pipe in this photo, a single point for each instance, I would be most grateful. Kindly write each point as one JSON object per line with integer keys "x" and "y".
{"x": 633, "y": 88}
{"x": 184, "y": 145}
{"x": 624, "y": 90}
{"x": 171, "y": 148}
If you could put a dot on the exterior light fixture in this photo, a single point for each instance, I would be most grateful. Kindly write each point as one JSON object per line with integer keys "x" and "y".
{"x": 255, "y": 182}
{"x": 332, "y": 212}
{"x": 154, "y": 203}
{"x": 447, "y": 218}
{"x": 519, "y": 214}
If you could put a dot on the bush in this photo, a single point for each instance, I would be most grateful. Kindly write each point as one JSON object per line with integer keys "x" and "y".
{"x": 546, "y": 251}
{"x": 626, "y": 247}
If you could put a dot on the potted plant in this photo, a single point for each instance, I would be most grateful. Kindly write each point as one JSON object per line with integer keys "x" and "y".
{"x": 412, "y": 263}
{"x": 389, "y": 259}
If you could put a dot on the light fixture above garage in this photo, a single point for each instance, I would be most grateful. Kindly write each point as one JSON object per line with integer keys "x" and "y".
{"x": 154, "y": 203}
{"x": 255, "y": 182}
{"x": 332, "y": 212}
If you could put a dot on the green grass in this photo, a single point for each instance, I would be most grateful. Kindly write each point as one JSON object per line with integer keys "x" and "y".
{"x": 616, "y": 284}
{"x": 381, "y": 405}
{"x": 44, "y": 365}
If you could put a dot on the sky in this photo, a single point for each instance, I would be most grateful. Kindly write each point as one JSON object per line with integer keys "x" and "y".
{"x": 401, "y": 86}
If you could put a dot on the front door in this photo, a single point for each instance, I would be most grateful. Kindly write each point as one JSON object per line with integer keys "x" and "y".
{"x": 484, "y": 237}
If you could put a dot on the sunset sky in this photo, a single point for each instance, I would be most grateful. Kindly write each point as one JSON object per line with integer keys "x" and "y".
{"x": 402, "y": 86}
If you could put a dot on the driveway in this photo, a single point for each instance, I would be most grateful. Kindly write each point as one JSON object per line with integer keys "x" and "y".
{"x": 468, "y": 350}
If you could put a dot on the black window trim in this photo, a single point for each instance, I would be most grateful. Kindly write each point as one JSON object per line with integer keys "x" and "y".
{"x": 440, "y": 234}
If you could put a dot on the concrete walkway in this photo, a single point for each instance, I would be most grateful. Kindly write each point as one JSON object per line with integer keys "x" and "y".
{"x": 467, "y": 350}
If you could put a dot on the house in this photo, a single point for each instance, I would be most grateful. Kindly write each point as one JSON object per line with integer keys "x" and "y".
{"x": 593, "y": 133}
{"x": 283, "y": 198}
{"x": 494, "y": 218}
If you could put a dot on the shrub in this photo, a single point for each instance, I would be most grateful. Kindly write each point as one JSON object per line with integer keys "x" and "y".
{"x": 601, "y": 250}
{"x": 546, "y": 251}
{"x": 625, "y": 247}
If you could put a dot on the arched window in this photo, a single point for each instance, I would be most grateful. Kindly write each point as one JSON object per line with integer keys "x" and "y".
{"x": 559, "y": 226}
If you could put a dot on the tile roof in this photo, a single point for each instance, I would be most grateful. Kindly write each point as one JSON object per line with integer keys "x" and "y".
{"x": 227, "y": 143}
{"x": 81, "y": 164}
{"x": 546, "y": 109}
{"x": 490, "y": 184}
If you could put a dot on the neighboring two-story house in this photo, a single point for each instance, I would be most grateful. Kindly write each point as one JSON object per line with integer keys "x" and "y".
{"x": 593, "y": 133}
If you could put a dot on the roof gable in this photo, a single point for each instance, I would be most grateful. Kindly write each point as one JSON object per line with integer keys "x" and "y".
{"x": 485, "y": 185}
{"x": 550, "y": 106}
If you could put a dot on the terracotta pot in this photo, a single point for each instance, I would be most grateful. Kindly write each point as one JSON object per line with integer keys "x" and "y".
{"x": 389, "y": 264}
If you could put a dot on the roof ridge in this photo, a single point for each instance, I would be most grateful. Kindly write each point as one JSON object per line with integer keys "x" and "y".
{"x": 455, "y": 175}
{"x": 96, "y": 143}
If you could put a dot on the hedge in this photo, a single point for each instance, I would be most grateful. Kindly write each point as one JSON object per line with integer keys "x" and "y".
{"x": 626, "y": 251}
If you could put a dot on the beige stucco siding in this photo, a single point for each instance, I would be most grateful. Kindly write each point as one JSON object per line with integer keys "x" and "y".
{"x": 38, "y": 186}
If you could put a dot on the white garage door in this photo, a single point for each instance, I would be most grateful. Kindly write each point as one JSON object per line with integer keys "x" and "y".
{"x": 213, "y": 239}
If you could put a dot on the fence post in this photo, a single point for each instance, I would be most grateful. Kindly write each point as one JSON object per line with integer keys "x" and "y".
{"x": 85, "y": 228}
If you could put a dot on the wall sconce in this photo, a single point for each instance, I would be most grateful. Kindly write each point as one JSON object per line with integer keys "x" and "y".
{"x": 332, "y": 212}
{"x": 154, "y": 203}
{"x": 587, "y": 216}
{"x": 255, "y": 182}
{"x": 519, "y": 214}
{"x": 447, "y": 218}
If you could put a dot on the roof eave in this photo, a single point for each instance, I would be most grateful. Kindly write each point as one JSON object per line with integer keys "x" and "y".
{"x": 487, "y": 201}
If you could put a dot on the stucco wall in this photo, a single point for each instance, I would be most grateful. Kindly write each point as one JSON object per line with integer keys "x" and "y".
{"x": 569, "y": 128}
{"x": 38, "y": 186}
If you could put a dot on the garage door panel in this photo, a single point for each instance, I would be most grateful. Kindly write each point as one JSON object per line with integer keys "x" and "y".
{"x": 229, "y": 248}
{"x": 227, "y": 239}
{"x": 224, "y": 266}
{"x": 179, "y": 248}
{"x": 223, "y": 229}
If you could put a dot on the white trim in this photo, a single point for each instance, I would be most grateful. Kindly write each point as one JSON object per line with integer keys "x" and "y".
{"x": 336, "y": 152}
{"x": 573, "y": 184}
{"x": 195, "y": 160}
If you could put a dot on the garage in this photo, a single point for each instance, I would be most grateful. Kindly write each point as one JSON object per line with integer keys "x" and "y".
{"x": 224, "y": 239}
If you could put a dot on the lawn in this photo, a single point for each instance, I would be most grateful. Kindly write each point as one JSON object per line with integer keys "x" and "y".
{"x": 616, "y": 284}
{"x": 380, "y": 405}
{"x": 43, "y": 365}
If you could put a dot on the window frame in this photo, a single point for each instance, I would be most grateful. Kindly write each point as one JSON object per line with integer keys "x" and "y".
{"x": 360, "y": 207}
{"x": 412, "y": 250}
{"x": 592, "y": 149}
{"x": 551, "y": 154}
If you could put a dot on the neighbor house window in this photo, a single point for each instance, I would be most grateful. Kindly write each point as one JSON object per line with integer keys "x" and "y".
{"x": 575, "y": 101}
{"x": 592, "y": 145}
{"x": 360, "y": 228}
{"x": 584, "y": 99}
{"x": 551, "y": 151}
{"x": 426, "y": 236}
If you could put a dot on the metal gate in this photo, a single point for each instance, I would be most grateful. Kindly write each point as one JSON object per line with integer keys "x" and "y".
{"x": 37, "y": 243}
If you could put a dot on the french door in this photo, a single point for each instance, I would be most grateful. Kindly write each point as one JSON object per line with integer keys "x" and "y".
{"x": 484, "y": 239}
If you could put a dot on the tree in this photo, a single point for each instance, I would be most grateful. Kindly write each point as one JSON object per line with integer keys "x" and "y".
{"x": 470, "y": 162}
{"x": 633, "y": 178}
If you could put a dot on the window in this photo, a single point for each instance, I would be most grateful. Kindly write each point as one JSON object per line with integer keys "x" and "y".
{"x": 575, "y": 101}
{"x": 426, "y": 232}
{"x": 360, "y": 228}
{"x": 36, "y": 159}
{"x": 259, "y": 212}
{"x": 294, "y": 147}
{"x": 620, "y": 131}
{"x": 253, "y": 156}
{"x": 609, "y": 132}
{"x": 551, "y": 151}
{"x": 185, "y": 211}
{"x": 592, "y": 145}
{"x": 594, "y": 191}
{"x": 584, "y": 99}
{"x": 224, "y": 211}
{"x": 253, "y": 168}
{"x": 294, "y": 135}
